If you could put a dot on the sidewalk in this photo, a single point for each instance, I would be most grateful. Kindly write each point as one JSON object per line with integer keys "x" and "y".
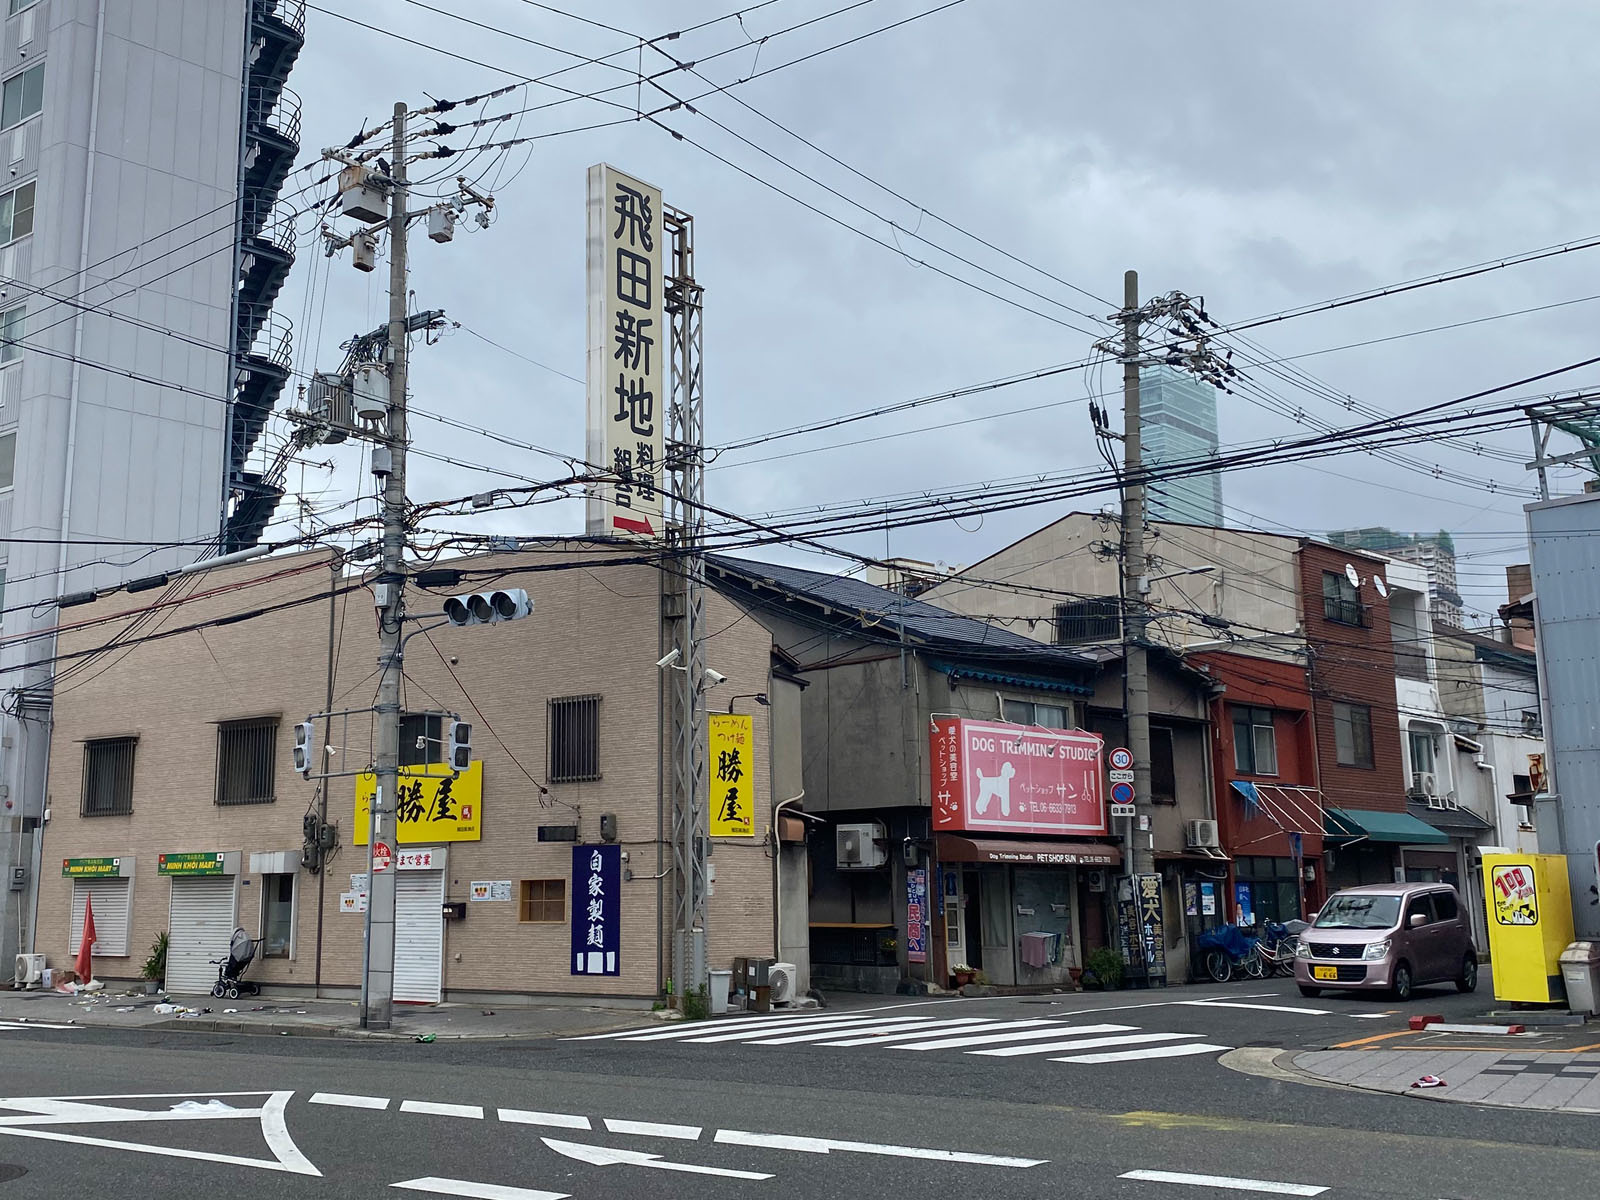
{"x": 1526, "y": 1078}
{"x": 315, "y": 1018}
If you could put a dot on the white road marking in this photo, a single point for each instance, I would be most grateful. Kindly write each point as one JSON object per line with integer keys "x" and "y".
{"x": 1283, "y": 1008}
{"x": 764, "y": 1030}
{"x": 1125, "y": 1039}
{"x": 476, "y": 1191}
{"x": 340, "y": 1100}
{"x": 922, "y": 1029}
{"x": 810, "y": 1145}
{"x": 1052, "y": 1029}
{"x": 34, "y": 1025}
{"x": 65, "y": 1110}
{"x": 1368, "y": 1016}
{"x": 651, "y": 1032}
{"x": 1149, "y": 1052}
{"x": 429, "y": 1108}
{"x": 605, "y": 1156}
{"x": 524, "y": 1116}
{"x": 876, "y": 1027}
{"x": 1226, "y": 1181}
{"x": 687, "y": 1133}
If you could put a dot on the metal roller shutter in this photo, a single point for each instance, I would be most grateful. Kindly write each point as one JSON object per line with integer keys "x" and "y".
{"x": 419, "y": 935}
{"x": 111, "y": 901}
{"x": 201, "y": 924}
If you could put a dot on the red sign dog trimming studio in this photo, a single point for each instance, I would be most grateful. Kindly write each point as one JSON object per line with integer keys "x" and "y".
{"x": 1020, "y": 779}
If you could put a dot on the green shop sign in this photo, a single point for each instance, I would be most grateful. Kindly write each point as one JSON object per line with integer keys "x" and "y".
{"x": 209, "y": 863}
{"x": 91, "y": 868}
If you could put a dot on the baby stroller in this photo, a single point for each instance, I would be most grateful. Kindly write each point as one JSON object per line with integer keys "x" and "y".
{"x": 230, "y": 971}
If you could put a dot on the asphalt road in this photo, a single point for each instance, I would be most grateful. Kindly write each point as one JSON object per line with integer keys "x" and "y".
{"x": 185, "y": 1114}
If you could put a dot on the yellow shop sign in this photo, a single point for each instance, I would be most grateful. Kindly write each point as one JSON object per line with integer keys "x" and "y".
{"x": 433, "y": 805}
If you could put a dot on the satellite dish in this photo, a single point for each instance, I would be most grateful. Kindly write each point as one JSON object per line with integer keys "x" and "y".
{"x": 1350, "y": 574}
{"x": 1383, "y": 588}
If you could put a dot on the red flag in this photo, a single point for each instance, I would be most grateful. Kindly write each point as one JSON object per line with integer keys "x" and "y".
{"x": 85, "y": 964}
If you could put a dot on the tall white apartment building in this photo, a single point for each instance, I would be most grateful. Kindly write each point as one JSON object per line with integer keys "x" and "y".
{"x": 143, "y": 147}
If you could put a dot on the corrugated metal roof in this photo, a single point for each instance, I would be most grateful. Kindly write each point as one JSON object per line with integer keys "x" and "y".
{"x": 882, "y": 611}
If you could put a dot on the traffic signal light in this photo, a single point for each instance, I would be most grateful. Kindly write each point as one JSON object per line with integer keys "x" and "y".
{"x": 487, "y": 608}
{"x": 458, "y": 745}
{"x": 305, "y": 740}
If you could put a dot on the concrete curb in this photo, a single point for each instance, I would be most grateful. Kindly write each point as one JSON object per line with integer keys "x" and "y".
{"x": 300, "y": 1029}
{"x": 1267, "y": 1063}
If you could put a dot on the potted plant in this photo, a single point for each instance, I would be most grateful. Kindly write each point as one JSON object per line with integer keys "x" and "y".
{"x": 963, "y": 974}
{"x": 1103, "y": 968}
{"x": 154, "y": 970}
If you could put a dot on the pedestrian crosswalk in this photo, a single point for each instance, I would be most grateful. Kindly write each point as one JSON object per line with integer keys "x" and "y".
{"x": 1053, "y": 1039}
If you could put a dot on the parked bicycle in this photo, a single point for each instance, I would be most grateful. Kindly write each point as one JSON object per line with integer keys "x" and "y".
{"x": 1228, "y": 948}
{"x": 1276, "y": 946}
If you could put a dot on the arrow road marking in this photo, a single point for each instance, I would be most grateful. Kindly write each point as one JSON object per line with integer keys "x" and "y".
{"x": 604, "y": 1156}
{"x": 1228, "y": 1182}
{"x": 477, "y": 1191}
{"x": 60, "y": 1110}
{"x": 810, "y": 1145}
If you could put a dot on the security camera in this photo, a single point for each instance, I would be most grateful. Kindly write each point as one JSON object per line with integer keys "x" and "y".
{"x": 669, "y": 659}
{"x": 714, "y": 677}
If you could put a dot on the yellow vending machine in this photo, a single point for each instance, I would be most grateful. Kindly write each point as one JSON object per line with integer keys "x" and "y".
{"x": 1530, "y": 924}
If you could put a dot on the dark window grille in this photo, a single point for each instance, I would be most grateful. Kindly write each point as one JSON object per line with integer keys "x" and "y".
{"x": 1341, "y": 603}
{"x": 426, "y": 728}
{"x": 1163, "y": 770}
{"x": 108, "y": 776}
{"x": 1088, "y": 621}
{"x": 246, "y": 756}
{"x": 574, "y": 739}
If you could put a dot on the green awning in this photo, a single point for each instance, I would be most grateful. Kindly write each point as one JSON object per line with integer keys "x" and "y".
{"x": 1350, "y": 824}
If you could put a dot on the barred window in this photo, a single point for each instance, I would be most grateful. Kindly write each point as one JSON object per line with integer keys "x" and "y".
{"x": 574, "y": 739}
{"x": 421, "y": 739}
{"x": 1080, "y": 621}
{"x": 108, "y": 776}
{"x": 246, "y": 758}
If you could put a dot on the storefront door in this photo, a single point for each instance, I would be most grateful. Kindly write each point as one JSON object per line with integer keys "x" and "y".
{"x": 418, "y": 936}
{"x": 201, "y": 920}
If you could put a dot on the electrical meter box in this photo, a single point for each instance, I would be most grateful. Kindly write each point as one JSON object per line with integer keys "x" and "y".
{"x": 1529, "y": 919}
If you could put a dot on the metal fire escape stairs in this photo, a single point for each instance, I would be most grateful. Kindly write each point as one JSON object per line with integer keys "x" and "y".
{"x": 262, "y": 339}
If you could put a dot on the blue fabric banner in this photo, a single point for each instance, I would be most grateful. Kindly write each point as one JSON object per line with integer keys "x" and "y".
{"x": 596, "y": 910}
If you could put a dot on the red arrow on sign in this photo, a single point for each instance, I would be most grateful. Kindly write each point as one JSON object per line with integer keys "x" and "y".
{"x": 639, "y": 525}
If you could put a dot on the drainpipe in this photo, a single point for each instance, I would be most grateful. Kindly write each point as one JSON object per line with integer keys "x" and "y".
{"x": 777, "y": 875}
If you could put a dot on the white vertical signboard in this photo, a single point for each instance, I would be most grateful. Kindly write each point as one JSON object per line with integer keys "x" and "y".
{"x": 628, "y": 346}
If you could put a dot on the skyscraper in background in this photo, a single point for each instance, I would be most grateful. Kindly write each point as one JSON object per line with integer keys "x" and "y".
{"x": 1434, "y": 553}
{"x": 1178, "y": 415}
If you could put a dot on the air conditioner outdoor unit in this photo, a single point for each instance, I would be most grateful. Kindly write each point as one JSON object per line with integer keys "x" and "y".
{"x": 1201, "y": 835}
{"x": 857, "y": 846}
{"x": 29, "y": 971}
{"x": 781, "y": 977}
{"x": 1424, "y": 784}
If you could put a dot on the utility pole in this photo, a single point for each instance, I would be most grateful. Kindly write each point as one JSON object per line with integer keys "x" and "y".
{"x": 377, "y": 985}
{"x": 1135, "y": 661}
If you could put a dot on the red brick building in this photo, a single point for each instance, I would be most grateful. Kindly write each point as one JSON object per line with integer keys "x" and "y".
{"x": 1269, "y": 812}
{"x": 1355, "y": 723}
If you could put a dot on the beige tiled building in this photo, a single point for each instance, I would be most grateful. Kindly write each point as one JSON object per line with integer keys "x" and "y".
{"x": 181, "y": 744}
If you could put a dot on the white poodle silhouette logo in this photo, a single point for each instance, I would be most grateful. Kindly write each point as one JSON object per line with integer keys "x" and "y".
{"x": 997, "y": 787}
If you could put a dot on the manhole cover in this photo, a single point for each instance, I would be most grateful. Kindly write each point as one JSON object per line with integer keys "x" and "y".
{"x": 8, "y": 1172}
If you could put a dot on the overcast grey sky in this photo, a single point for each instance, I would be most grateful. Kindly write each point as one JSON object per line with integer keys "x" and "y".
{"x": 1263, "y": 155}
